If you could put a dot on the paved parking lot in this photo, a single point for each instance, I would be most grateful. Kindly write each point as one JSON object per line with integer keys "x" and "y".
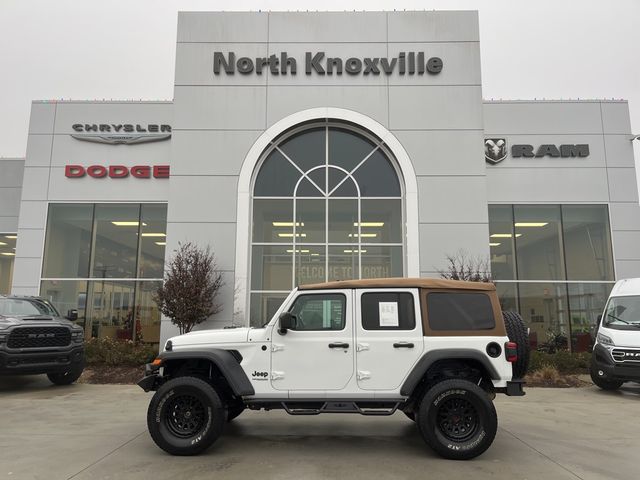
{"x": 99, "y": 432}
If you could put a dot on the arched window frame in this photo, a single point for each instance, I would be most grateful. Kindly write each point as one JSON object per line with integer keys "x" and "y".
{"x": 365, "y": 126}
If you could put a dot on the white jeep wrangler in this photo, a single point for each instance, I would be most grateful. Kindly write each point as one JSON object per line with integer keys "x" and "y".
{"x": 437, "y": 350}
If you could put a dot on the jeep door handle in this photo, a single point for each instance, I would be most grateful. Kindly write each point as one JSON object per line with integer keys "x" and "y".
{"x": 338, "y": 345}
{"x": 403, "y": 345}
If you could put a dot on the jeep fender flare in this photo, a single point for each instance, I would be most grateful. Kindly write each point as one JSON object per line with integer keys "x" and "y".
{"x": 427, "y": 360}
{"x": 226, "y": 363}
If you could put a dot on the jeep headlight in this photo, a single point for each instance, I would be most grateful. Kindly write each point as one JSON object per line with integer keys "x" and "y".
{"x": 605, "y": 340}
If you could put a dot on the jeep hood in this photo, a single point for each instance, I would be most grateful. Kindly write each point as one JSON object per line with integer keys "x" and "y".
{"x": 211, "y": 337}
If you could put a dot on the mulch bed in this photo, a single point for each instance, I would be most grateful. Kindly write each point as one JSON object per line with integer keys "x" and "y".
{"x": 535, "y": 379}
{"x": 110, "y": 374}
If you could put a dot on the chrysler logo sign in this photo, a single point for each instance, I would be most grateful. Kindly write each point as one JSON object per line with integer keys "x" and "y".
{"x": 495, "y": 150}
{"x": 121, "y": 133}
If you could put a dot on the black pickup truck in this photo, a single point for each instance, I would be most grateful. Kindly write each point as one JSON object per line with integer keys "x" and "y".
{"x": 35, "y": 339}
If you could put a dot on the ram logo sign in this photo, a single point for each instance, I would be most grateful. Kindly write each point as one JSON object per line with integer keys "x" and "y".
{"x": 495, "y": 150}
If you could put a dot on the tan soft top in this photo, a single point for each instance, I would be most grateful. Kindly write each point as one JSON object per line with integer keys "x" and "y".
{"x": 432, "y": 283}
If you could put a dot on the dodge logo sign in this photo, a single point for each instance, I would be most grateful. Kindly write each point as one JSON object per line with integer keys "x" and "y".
{"x": 495, "y": 150}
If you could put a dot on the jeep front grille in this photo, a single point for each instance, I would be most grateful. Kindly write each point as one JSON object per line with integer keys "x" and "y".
{"x": 39, "y": 337}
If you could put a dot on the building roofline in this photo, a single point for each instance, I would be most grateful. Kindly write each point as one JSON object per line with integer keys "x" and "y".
{"x": 567, "y": 100}
{"x": 99, "y": 101}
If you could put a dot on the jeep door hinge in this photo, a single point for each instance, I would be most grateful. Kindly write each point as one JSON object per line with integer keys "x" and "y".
{"x": 276, "y": 347}
{"x": 361, "y": 347}
{"x": 363, "y": 375}
{"x": 277, "y": 375}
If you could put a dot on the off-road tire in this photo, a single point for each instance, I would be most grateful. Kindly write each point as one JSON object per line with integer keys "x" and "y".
{"x": 603, "y": 383}
{"x": 457, "y": 419}
{"x": 517, "y": 332}
{"x": 68, "y": 377}
{"x": 185, "y": 416}
{"x": 234, "y": 410}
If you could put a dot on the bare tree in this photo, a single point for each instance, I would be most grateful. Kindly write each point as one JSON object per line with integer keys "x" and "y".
{"x": 462, "y": 266}
{"x": 192, "y": 282}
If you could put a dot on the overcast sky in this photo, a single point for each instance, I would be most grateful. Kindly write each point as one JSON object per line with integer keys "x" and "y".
{"x": 125, "y": 49}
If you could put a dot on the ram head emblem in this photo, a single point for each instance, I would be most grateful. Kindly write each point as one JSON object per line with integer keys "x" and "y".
{"x": 495, "y": 150}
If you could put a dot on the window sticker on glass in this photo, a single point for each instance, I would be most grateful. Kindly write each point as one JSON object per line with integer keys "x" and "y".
{"x": 388, "y": 314}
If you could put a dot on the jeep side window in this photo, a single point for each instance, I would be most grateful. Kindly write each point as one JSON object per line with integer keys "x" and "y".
{"x": 319, "y": 312}
{"x": 460, "y": 311}
{"x": 388, "y": 311}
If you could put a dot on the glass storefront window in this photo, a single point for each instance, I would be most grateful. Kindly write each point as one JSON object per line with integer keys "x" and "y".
{"x": 116, "y": 241}
{"x": 123, "y": 241}
{"x": 501, "y": 242}
{"x": 538, "y": 231}
{"x": 339, "y": 217}
{"x": 586, "y": 302}
{"x": 7, "y": 256}
{"x": 544, "y": 308}
{"x": 153, "y": 239}
{"x": 68, "y": 241}
{"x": 587, "y": 242}
{"x": 508, "y": 296}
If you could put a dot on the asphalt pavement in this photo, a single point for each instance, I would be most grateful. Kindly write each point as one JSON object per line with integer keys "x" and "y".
{"x": 99, "y": 432}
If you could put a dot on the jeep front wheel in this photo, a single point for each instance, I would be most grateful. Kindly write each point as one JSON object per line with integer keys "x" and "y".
{"x": 457, "y": 419}
{"x": 185, "y": 416}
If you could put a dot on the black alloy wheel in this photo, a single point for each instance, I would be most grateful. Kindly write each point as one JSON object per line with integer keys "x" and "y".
{"x": 457, "y": 419}
{"x": 186, "y": 416}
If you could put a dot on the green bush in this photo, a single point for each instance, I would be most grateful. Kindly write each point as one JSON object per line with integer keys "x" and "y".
{"x": 108, "y": 351}
{"x": 563, "y": 361}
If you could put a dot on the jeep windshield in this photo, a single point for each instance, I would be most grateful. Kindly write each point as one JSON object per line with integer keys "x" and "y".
{"x": 22, "y": 307}
{"x": 623, "y": 313}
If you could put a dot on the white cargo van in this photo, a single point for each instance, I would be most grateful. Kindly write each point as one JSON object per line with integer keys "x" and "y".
{"x": 616, "y": 353}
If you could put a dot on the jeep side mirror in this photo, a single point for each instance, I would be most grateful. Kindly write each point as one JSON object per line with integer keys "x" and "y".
{"x": 288, "y": 321}
{"x": 72, "y": 315}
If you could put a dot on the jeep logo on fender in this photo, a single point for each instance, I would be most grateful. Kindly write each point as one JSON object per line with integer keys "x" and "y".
{"x": 259, "y": 375}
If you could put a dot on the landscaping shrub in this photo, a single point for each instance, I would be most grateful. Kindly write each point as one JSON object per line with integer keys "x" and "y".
{"x": 109, "y": 351}
{"x": 563, "y": 361}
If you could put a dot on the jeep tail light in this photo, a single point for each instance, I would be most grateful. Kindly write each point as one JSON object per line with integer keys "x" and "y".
{"x": 511, "y": 351}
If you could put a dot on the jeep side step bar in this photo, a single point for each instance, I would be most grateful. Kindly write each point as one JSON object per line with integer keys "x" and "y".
{"x": 294, "y": 408}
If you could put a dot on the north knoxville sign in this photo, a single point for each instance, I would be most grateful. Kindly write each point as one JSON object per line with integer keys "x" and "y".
{"x": 405, "y": 63}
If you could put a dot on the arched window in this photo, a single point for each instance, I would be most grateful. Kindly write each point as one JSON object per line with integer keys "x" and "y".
{"x": 327, "y": 205}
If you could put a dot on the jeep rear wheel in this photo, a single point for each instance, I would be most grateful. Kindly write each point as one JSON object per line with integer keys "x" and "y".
{"x": 185, "y": 416}
{"x": 517, "y": 332}
{"x": 457, "y": 419}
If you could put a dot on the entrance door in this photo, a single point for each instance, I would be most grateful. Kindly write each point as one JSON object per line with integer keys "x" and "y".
{"x": 389, "y": 338}
{"x": 318, "y": 353}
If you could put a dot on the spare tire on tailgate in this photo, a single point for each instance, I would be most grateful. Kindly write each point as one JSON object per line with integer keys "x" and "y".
{"x": 517, "y": 332}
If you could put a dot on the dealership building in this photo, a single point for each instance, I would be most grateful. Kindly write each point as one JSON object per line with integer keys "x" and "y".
{"x": 304, "y": 147}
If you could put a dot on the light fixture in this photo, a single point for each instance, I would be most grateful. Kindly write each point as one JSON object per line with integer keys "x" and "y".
{"x": 8, "y": 254}
{"x": 154, "y": 234}
{"x": 369, "y": 224}
{"x": 355, "y": 251}
{"x": 531, "y": 224}
{"x": 2, "y": 243}
{"x": 300, "y": 251}
{"x": 505, "y": 235}
{"x": 363, "y": 235}
{"x": 290, "y": 235}
{"x": 495, "y": 244}
{"x": 11, "y": 237}
{"x": 161, "y": 243}
{"x": 287, "y": 224}
{"x": 119, "y": 223}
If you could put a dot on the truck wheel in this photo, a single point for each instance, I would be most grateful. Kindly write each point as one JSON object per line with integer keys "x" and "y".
{"x": 603, "y": 382}
{"x": 517, "y": 332}
{"x": 457, "y": 419}
{"x": 185, "y": 416}
{"x": 68, "y": 377}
